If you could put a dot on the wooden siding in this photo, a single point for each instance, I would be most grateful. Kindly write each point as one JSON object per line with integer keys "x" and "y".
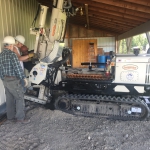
{"x": 80, "y": 51}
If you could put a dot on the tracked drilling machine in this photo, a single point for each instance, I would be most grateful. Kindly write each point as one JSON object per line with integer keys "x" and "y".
{"x": 119, "y": 91}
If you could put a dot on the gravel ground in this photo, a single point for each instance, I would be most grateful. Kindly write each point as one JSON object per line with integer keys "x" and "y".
{"x": 55, "y": 130}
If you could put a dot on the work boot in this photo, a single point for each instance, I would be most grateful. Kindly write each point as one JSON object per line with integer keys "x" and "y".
{"x": 23, "y": 121}
{"x": 13, "y": 120}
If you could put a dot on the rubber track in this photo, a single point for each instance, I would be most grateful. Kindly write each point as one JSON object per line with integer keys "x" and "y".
{"x": 91, "y": 99}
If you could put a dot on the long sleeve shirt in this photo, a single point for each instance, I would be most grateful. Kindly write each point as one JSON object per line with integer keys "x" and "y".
{"x": 10, "y": 65}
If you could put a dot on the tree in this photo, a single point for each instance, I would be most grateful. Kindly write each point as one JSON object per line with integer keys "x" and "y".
{"x": 123, "y": 47}
{"x": 137, "y": 41}
{"x": 140, "y": 41}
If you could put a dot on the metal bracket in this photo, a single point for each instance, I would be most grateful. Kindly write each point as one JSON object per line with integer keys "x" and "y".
{"x": 34, "y": 99}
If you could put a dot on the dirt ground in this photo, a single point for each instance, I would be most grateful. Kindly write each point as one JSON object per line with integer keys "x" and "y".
{"x": 55, "y": 130}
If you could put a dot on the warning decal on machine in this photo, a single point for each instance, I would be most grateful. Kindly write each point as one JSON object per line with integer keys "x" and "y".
{"x": 129, "y": 76}
{"x": 130, "y": 67}
{"x": 136, "y": 109}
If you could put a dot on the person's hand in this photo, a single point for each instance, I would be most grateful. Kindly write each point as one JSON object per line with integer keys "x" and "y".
{"x": 31, "y": 55}
{"x": 25, "y": 82}
{"x": 29, "y": 59}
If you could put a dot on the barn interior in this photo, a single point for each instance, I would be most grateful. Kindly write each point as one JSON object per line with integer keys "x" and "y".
{"x": 104, "y": 22}
{"x": 94, "y": 28}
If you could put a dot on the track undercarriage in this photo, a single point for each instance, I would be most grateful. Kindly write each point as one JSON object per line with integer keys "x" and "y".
{"x": 80, "y": 102}
{"x": 103, "y": 106}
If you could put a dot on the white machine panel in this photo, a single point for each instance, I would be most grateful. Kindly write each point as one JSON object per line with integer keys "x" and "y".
{"x": 122, "y": 88}
{"x": 131, "y": 70}
{"x": 38, "y": 73}
{"x": 132, "y": 58}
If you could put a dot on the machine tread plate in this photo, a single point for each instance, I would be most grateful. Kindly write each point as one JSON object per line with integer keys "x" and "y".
{"x": 118, "y": 108}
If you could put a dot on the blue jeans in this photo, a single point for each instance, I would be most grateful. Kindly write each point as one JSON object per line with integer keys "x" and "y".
{"x": 23, "y": 85}
{"x": 14, "y": 98}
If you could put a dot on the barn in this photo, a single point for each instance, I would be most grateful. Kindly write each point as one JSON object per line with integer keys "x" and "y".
{"x": 94, "y": 31}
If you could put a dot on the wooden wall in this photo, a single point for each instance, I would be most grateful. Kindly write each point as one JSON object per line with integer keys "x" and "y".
{"x": 74, "y": 31}
{"x": 80, "y": 52}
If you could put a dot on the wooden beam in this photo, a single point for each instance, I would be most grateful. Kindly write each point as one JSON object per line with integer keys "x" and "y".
{"x": 114, "y": 18}
{"x": 109, "y": 28}
{"x": 117, "y": 45}
{"x": 141, "y": 2}
{"x": 120, "y": 15}
{"x": 145, "y": 27}
{"x": 127, "y": 5}
{"x": 99, "y": 24}
{"x": 87, "y": 15}
{"x": 107, "y": 7}
{"x": 116, "y": 25}
{"x": 115, "y": 22}
{"x": 80, "y": 19}
{"x": 97, "y": 19}
{"x": 97, "y": 28}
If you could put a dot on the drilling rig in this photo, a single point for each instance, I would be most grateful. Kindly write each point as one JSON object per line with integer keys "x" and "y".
{"x": 119, "y": 91}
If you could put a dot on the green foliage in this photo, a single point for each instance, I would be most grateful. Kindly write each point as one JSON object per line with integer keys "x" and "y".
{"x": 123, "y": 47}
{"x": 137, "y": 41}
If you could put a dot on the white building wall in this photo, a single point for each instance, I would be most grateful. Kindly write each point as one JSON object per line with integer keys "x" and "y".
{"x": 107, "y": 43}
{"x": 16, "y": 17}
